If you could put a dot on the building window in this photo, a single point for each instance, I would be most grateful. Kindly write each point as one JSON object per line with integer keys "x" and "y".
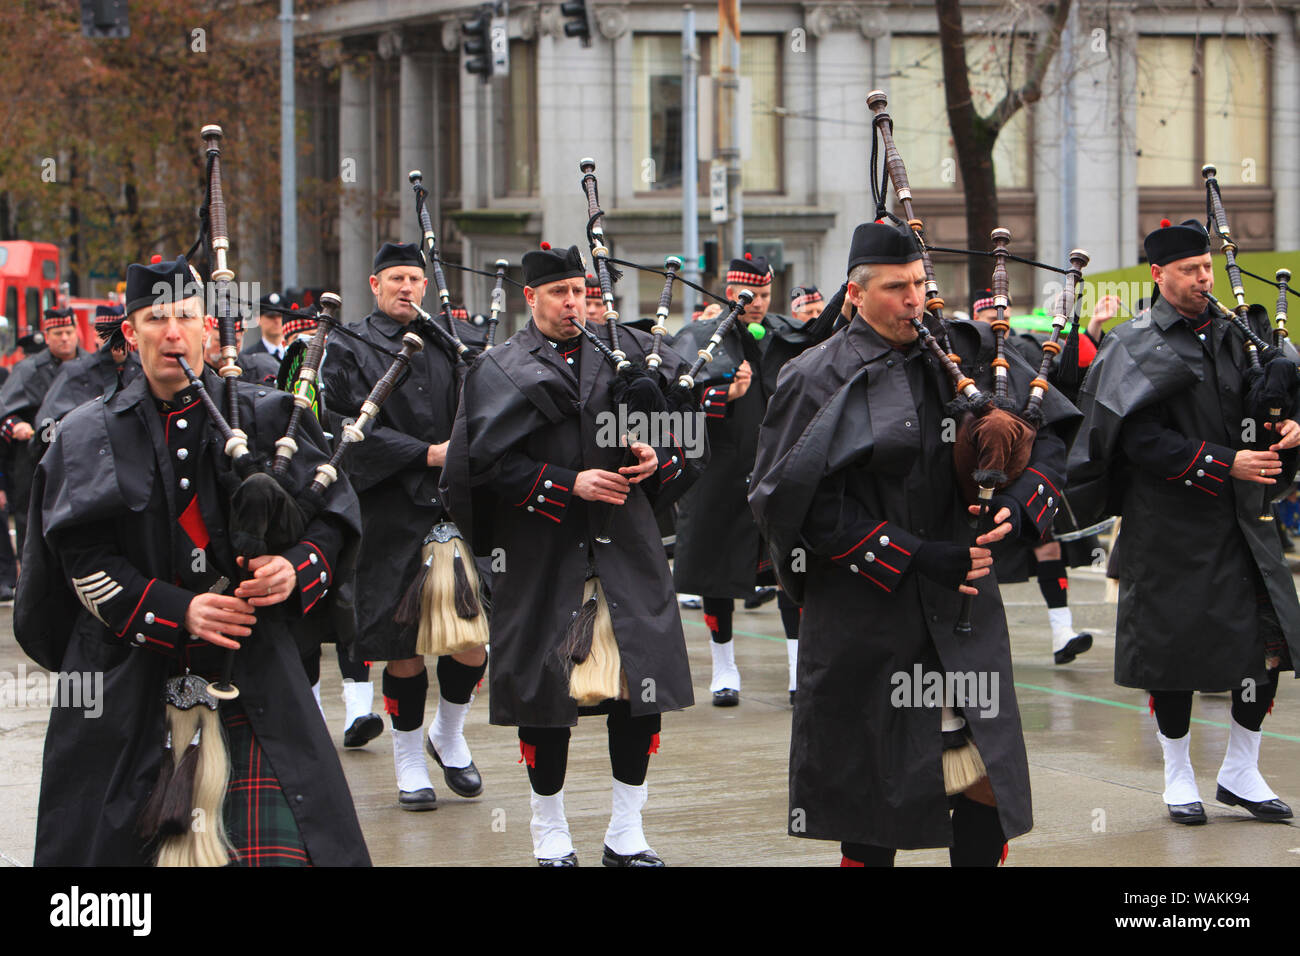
{"x": 657, "y": 108}
{"x": 920, "y": 110}
{"x": 517, "y": 124}
{"x": 1202, "y": 99}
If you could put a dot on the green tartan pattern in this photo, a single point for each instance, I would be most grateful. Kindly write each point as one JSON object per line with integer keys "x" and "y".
{"x": 257, "y": 815}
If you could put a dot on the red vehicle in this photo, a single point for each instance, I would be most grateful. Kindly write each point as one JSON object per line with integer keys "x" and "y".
{"x": 29, "y": 284}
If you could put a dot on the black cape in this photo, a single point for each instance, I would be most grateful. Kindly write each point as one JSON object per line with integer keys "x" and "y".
{"x": 97, "y": 773}
{"x": 519, "y": 399}
{"x": 84, "y": 378}
{"x": 844, "y": 419}
{"x": 1189, "y": 562}
{"x": 719, "y": 552}
{"x": 400, "y": 500}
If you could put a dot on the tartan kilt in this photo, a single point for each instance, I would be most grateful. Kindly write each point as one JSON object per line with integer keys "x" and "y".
{"x": 258, "y": 820}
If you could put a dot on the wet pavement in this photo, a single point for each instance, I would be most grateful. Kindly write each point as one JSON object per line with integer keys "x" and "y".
{"x": 718, "y": 784}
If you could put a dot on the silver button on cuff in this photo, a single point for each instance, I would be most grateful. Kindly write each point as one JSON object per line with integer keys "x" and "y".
{"x": 1200, "y": 472}
{"x": 148, "y": 617}
{"x": 323, "y": 577}
{"x": 540, "y": 499}
{"x": 312, "y": 558}
{"x": 853, "y": 568}
{"x": 884, "y": 540}
{"x": 139, "y": 638}
{"x": 530, "y": 507}
{"x": 546, "y": 484}
{"x": 870, "y": 556}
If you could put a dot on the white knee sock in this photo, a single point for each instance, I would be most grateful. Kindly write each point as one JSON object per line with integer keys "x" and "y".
{"x": 1240, "y": 770}
{"x": 792, "y": 657}
{"x": 1180, "y": 780}
{"x": 725, "y": 673}
{"x": 1062, "y": 626}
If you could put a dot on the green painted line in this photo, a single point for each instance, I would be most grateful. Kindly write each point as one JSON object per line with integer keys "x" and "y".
{"x": 1142, "y": 710}
{"x": 1104, "y": 701}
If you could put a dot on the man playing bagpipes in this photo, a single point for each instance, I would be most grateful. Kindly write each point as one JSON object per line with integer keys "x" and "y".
{"x": 531, "y": 482}
{"x": 1047, "y": 561}
{"x": 396, "y": 471}
{"x": 718, "y": 554}
{"x": 1172, "y": 441}
{"x": 102, "y": 372}
{"x": 856, "y": 491}
{"x": 128, "y": 575}
{"x": 20, "y": 399}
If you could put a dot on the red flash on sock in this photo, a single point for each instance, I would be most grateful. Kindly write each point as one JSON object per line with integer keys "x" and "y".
{"x": 711, "y": 622}
{"x": 654, "y": 745}
{"x": 1064, "y": 583}
{"x": 1006, "y": 848}
{"x": 390, "y": 706}
{"x": 1151, "y": 704}
{"x": 845, "y": 861}
{"x": 528, "y": 754}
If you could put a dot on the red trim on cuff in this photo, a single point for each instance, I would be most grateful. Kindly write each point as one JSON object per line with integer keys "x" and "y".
{"x": 531, "y": 490}
{"x": 1189, "y": 464}
{"x": 897, "y": 548}
{"x": 1046, "y": 480}
{"x": 127, "y": 626}
{"x": 862, "y": 542}
{"x": 323, "y": 559}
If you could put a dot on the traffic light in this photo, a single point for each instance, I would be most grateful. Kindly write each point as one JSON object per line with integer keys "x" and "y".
{"x": 104, "y": 18}
{"x": 577, "y": 20}
{"x": 478, "y": 44}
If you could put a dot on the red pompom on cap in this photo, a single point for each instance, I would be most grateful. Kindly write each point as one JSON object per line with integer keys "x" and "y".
{"x": 749, "y": 256}
{"x": 295, "y": 307}
{"x": 546, "y": 245}
{"x": 880, "y": 222}
{"x": 155, "y": 259}
{"x": 1165, "y": 223}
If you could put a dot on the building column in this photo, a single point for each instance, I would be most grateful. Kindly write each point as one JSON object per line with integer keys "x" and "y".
{"x": 356, "y": 202}
{"x": 1286, "y": 136}
{"x": 415, "y": 148}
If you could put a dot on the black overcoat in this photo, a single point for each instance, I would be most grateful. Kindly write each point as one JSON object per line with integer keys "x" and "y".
{"x": 718, "y": 549}
{"x": 110, "y": 468}
{"x": 1193, "y": 546}
{"x": 845, "y": 431}
{"x": 525, "y": 427}
{"x": 82, "y": 379}
{"x": 399, "y": 494}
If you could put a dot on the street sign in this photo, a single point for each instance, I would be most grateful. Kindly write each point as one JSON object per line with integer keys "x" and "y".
{"x": 500, "y": 40}
{"x": 718, "y": 192}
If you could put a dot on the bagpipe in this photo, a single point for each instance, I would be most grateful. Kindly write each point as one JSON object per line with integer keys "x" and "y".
{"x": 268, "y": 515}
{"x": 588, "y": 652}
{"x": 1272, "y": 379}
{"x": 994, "y": 438}
{"x": 445, "y": 598}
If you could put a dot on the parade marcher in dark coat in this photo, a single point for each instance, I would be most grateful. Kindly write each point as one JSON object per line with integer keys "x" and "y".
{"x": 110, "y": 367}
{"x": 395, "y": 471}
{"x": 1206, "y": 601}
{"x": 270, "y": 327}
{"x": 20, "y": 400}
{"x": 718, "y": 554}
{"x": 533, "y": 477}
{"x": 126, "y": 579}
{"x": 1015, "y": 560}
{"x": 855, "y": 485}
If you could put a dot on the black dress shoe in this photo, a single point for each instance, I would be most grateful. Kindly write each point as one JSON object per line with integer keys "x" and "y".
{"x": 463, "y": 781}
{"x": 1076, "y": 646}
{"x": 644, "y": 858}
{"x": 726, "y": 697}
{"x": 760, "y": 597}
{"x": 424, "y": 799}
{"x": 1270, "y": 811}
{"x": 363, "y": 730}
{"x": 570, "y": 860}
{"x": 1188, "y": 813}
